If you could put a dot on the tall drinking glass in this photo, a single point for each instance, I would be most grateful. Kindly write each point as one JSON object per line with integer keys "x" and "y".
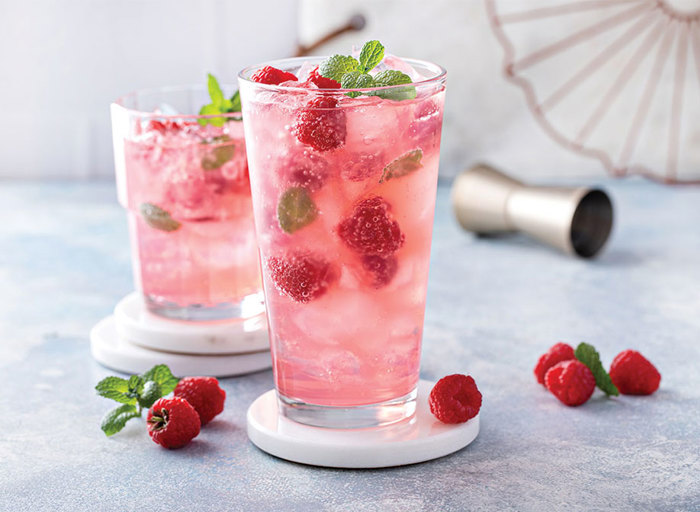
{"x": 344, "y": 192}
{"x": 184, "y": 183}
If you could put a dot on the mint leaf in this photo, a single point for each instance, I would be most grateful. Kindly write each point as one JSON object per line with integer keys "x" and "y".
{"x": 295, "y": 209}
{"x": 115, "y": 388}
{"x": 372, "y": 54}
{"x": 405, "y": 164}
{"x": 336, "y": 66}
{"x": 236, "y": 102}
{"x": 220, "y": 154}
{"x": 135, "y": 384}
{"x": 211, "y": 110}
{"x": 162, "y": 375}
{"x": 158, "y": 218}
{"x": 394, "y": 77}
{"x": 356, "y": 80}
{"x": 215, "y": 93}
{"x": 115, "y": 419}
{"x": 151, "y": 393}
{"x": 589, "y": 356}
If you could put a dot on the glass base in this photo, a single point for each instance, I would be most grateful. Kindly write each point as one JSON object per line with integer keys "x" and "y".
{"x": 249, "y": 307}
{"x": 360, "y": 416}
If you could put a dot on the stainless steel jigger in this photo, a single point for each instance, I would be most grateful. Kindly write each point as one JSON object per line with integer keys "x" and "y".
{"x": 574, "y": 220}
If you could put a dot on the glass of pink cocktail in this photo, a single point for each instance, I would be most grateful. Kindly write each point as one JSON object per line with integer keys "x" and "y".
{"x": 344, "y": 185}
{"x": 183, "y": 179}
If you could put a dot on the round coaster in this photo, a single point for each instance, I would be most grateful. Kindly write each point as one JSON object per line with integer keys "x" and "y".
{"x": 113, "y": 351}
{"x": 420, "y": 439}
{"x": 136, "y": 324}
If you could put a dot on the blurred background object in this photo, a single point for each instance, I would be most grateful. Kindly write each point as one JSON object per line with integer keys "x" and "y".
{"x": 617, "y": 81}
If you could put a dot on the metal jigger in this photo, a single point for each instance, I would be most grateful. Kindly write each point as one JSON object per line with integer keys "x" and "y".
{"x": 574, "y": 220}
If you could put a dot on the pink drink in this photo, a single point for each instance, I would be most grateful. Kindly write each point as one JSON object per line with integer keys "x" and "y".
{"x": 187, "y": 193}
{"x": 345, "y": 292}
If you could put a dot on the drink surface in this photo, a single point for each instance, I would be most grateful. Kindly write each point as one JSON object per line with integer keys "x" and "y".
{"x": 190, "y": 215}
{"x": 344, "y": 231}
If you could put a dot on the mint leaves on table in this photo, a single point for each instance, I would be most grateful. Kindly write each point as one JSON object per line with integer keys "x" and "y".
{"x": 158, "y": 218}
{"x": 219, "y": 104}
{"x": 589, "y": 356}
{"x": 296, "y": 209}
{"x": 403, "y": 165}
{"x": 354, "y": 74}
{"x": 136, "y": 393}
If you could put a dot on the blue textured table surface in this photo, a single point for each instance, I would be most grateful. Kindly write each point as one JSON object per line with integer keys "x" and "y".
{"x": 493, "y": 307}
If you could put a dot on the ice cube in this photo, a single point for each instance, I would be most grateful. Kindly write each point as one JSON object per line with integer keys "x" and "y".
{"x": 305, "y": 70}
{"x": 394, "y": 62}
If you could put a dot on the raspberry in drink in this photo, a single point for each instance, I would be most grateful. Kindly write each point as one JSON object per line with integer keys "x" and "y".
{"x": 184, "y": 182}
{"x": 344, "y": 184}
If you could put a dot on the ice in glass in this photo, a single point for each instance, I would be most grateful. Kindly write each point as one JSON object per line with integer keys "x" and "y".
{"x": 344, "y": 186}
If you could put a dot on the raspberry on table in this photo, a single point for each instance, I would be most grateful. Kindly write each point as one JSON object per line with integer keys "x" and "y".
{"x": 371, "y": 229}
{"x": 382, "y": 268}
{"x": 556, "y": 354}
{"x": 572, "y": 382}
{"x": 633, "y": 374}
{"x": 455, "y": 399}
{"x": 301, "y": 277}
{"x": 272, "y": 76}
{"x": 204, "y": 394}
{"x": 172, "y": 422}
{"x": 321, "y": 124}
{"x": 321, "y": 81}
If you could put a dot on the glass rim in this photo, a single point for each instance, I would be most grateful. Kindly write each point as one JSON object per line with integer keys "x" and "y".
{"x": 440, "y": 76}
{"x": 119, "y": 102}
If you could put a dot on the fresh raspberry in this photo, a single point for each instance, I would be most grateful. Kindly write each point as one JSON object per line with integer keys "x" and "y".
{"x": 321, "y": 124}
{"x": 383, "y": 268}
{"x": 455, "y": 399}
{"x": 571, "y": 382}
{"x": 556, "y": 354}
{"x": 204, "y": 394}
{"x": 370, "y": 229}
{"x": 272, "y": 76}
{"x": 172, "y": 422}
{"x": 308, "y": 171}
{"x": 163, "y": 126}
{"x": 633, "y": 374}
{"x": 321, "y": 81}
{"x": 301, "y": 277}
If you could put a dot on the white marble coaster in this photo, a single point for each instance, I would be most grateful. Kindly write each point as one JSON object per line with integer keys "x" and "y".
{"x": 112, "y": 350}
{"x": 418, "y": 440}
{"x": 135, "y": 323}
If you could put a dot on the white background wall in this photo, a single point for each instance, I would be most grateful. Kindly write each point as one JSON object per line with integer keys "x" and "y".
{"x": 63, "y": 61}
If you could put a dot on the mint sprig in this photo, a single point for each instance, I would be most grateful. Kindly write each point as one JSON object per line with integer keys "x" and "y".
{"x": 354, "y": 74}
{"x": 219, "y": 104}
{"x": 589, "y": 356}
{"x": 135, "y": 394}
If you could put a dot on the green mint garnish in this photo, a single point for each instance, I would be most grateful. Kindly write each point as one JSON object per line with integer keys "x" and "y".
{"x": 403, "y": 165}
{"x": 220, "y": 154}
{"x": 372, "y": 54}
{"x": 355, "y": 75}
{"x": 356, "y": 80}
{"x": 296, "y": 209}
{"x": 115, "y": 419}
{"x": 219, "y": 104}
{"x": 589, "y": 356}
{"x": 137, "y": 393}
{"x": 336, "y": 66}
{"x": 158, "y": 218}
{"x": 161, "y": 375}
{"x": 115, "y": 388}
{"x": 394, "y": 77}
